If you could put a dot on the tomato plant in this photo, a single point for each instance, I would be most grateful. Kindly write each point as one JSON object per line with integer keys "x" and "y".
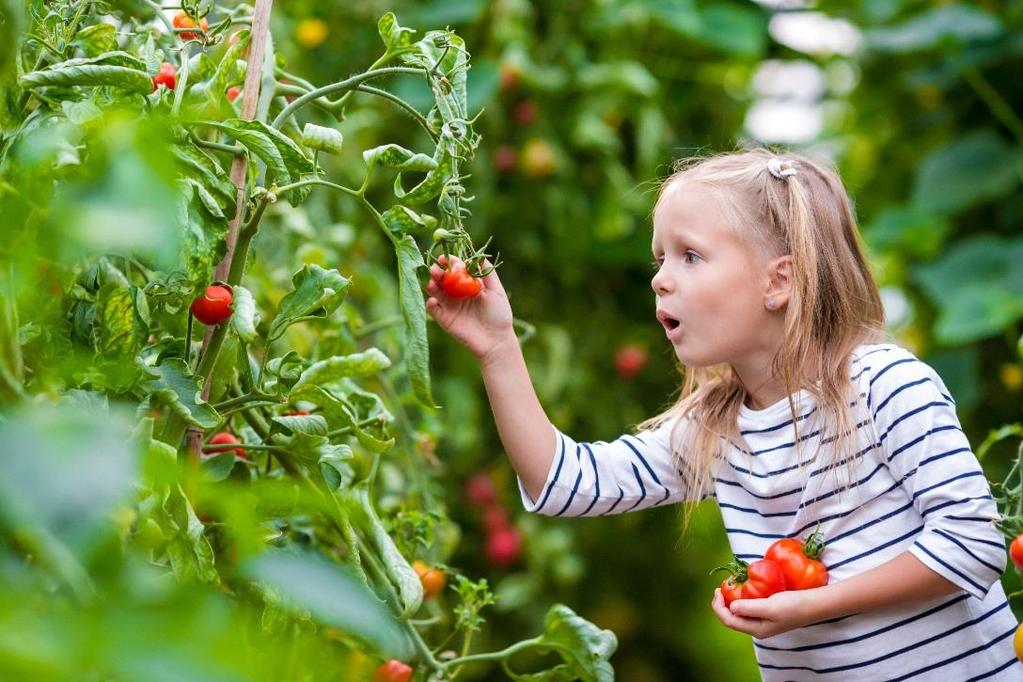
{"x": 296, "y": 520}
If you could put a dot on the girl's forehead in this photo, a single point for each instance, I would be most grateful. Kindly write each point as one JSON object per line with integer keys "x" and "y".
{"x": 690, "y": 211}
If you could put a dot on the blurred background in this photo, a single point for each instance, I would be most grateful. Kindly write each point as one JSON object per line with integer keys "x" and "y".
{"x": 583, "y": 106}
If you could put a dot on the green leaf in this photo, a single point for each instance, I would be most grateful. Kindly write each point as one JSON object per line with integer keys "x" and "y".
{"x": 121, "y": 333}
{"x": 977, "y": 287}
{"x": 358, "y": 365}
{"x": 244, "y": 316}
{"x": 396, "y": 156}
{"x": 681, "y": 16}
{"x": 401, "y": 220}
{"x": 332, "y": 596}
{"x": 432, "y": 184}
{"x": 402, "y": 575}
{"x": 320, "y": 138}
{"x": 738, "y": 29}
{"x": 908, "y": 229}
{"x": 344, "y": 412}
{"x": 228, "y": 70}
{"x": 397, "y": 39}
{"x": 217, "y": 467}
{"x": 178, "y": 388}
{"x": 97, "y": 39}
{"x": 260, "y": 144}
{"x": 976, "y": 167}
{"x": 585, "y": 648}
{"x": 931, "y": 28}
{"x": 191, "y": 556}
{"x": 119, "y": 69}
{"x": 317, "y": 293}
{"x": 413, "y": 311}
{"x": 206, "y": 199}
{"x": 195, "y": 164}
{"x": 334, "y": 466}
{"x": 202, "y": 238}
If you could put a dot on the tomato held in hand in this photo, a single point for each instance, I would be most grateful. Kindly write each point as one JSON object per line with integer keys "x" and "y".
{"x": 456, "y": 282}
{"x": 433, "y": 579}
{"x": 757, "y": 580}
{"x": 225, "y": 438}
{"x": 182, "y": 20}
{"x": 1016, "y": 552}
{"x": 167, "y": 75}
{"x": 800, "y": 561}
{"x": 393, "y": 671}
{"x": 214, "y": 306}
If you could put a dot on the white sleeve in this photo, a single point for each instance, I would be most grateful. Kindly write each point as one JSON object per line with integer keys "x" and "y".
{"x": 928, "y": 453}
{"x": 592, "y": 479}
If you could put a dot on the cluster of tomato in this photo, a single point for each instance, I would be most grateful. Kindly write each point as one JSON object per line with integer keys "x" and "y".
{"x": 537, "y": 159}
{"x": 789, "y": 564}
{"x": 504, "y": 542}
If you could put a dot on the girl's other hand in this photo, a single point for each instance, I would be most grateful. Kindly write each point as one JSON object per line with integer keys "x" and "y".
{"x": 481, "y": 323}
{"x": 766, "y": 617}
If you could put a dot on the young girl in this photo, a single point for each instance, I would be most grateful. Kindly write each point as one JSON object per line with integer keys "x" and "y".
{"x": 794, "y": 412}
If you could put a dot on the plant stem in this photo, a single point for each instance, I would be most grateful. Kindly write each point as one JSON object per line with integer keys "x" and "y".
{"x": 494, "y": 655}
{"x": 342, "y": 86}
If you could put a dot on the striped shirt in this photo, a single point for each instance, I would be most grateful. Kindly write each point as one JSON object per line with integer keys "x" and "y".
{"x": 915, "y": 485}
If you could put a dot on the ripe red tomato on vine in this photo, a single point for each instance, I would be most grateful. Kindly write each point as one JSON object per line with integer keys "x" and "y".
{"x": 464, "y": 267}
{"x": 227, "y": 438}
{"x": 393, "y": 671}
{"x": 214, "y": 306}
{"x": 167, "y": 75}
{"x": 182, "y": 20}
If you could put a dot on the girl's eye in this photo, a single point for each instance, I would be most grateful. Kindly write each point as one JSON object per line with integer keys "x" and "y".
{"x": 656, "y": 264}
{"x": 687, "y": 255}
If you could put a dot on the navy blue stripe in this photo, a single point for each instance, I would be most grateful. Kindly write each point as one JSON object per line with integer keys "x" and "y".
{"x": 575, "y": 487}
{"x": 743, "y": 531}
{"x": 950, "y": 427}
{"x": 876, "y": 549}
{"x": 866, "y": 525}
{"x": 916, "y": 410}
{"x": 621, "y": 494}
{"x": 894, "y": 393}
{"x": 842, "y": 489}
{"x": 642, "y": 489}
{"x": 754, "y": 511}
{"x": 951, "y": 568}
{"x": 940, "y": 455}
{"x": 872, "y": 633}
{"x": 881, "y": 373}
{"x": 777, "y": 426}
{"x": 954, "y": 502}
{"x": 999, "y": 669}
{"x": 647, "y": 466}
{"x": 997, "y": 571}
{"x": 970, "y": 652}
{"x": 910, "y": 647}
{"x": 968, "y": 474}
{"x": 557, "y": 473}
{"x": 596, "y": 479}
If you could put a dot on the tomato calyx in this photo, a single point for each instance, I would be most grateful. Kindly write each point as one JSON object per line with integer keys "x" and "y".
{"x": 737, "y": 568}
{"x": 814, "y": 545}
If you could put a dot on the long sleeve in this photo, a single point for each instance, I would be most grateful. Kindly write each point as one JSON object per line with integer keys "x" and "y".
{"x": 630, "y": 473}
{"x": 928, "y": 453}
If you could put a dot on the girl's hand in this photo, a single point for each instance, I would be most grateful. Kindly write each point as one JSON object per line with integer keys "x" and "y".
{"x": 481, "y": 323}
{"x": 781, "y": 612}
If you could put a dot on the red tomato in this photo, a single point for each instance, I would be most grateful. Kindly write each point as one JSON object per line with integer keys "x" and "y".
{"x": 167, "y": 75}
{"x": 182, "y": 20}
{"x": 525, "y": 112}
{"x": 504, "y": 546}
{"x": 495, "y": 518}
{"x": 762, "y": 578}
{"x": 233, "y": 92}
{"x": 456, "y": 282}
{"x": 799, "y": 562}
{"x": 433, "y": 579}
{"x": 393, "y": 671}
{"x": 630, "y": 360}
{"x": 225, "y": 438}
{"x": 479, "y": 490}
{"x": 1016, "y": 552}
{"x": 505, "y": 158}
{"x": 214, "y": 306}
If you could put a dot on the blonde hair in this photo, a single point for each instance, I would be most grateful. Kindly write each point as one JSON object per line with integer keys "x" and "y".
{"x": 834, "y": 306}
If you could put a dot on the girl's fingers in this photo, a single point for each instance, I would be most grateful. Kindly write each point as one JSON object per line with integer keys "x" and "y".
{"x": 491, "y": 280}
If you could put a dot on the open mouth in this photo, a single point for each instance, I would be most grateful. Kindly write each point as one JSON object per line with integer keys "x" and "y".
{"x": 670, "y": 323}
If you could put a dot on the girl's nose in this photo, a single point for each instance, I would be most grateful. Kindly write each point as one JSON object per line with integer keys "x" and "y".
{"x": 660, "y": 283}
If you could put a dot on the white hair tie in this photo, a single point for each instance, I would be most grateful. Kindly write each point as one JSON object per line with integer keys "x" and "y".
{"x": 780, "y": 169}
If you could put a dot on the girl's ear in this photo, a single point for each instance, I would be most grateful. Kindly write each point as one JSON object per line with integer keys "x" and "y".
{"x": 779, "y": 283}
